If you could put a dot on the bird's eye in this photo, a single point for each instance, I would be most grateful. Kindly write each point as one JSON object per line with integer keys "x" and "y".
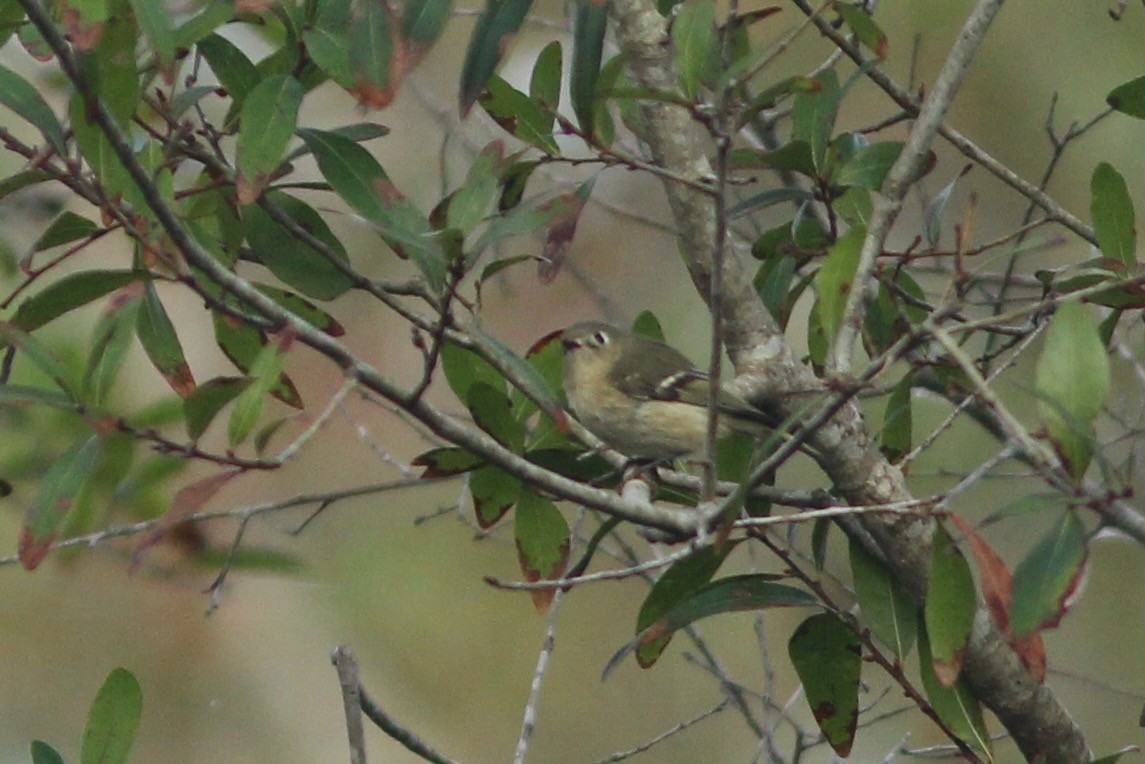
{"x": 600, "y": 338}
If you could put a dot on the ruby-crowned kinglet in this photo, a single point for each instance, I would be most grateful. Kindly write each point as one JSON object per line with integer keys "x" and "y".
{"x": 645, "y": 398}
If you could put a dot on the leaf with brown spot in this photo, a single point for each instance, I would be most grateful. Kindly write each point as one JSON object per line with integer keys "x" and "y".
{"x": 188, "y": 500}
{"x": 59, "y": 487}
{"x": 993, "y": 575}
{"x": 827, "y": 655}
{"x": 565, "y": 210}
{"x": 542, "y": 538}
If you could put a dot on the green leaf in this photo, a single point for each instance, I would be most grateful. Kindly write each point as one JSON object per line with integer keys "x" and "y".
{"x": 111, "y": 339}
{"x": 59, "y": 488}
{"x": 794, "y": 156}
{"x": 113, "y": 720}
{"x": 474, "y": 200}
{"x": 97, "y": 151}
{"x": 291, "y": 259}
{"x": 833, "y": 283}
{"x": 463, "y": 368}
{"x": 23, "y": 395}
{"x": 231, "y": 66}
{"x": 493, "y": 413}
{"x": 545, "y": 83}
{"x": 519, "y": 115}
{"x": 155, "y": 19}
{"x": 951, "y": 602}
{"x": 374, "y": 55}
{"x": 66, "y": 228}
{"x": 446, "y": 462}
{"x": 11, "y": 19}
{"x": 678, "y": 583}
{"x": 752, "y": 591}
{"x": 813, "y": 116}
{"x": 42, "y": 753}
{"x": 21, "y": 180}
{"x": 868, "y": 167}
{"x": 955, "y": 704}
{"x": 886, "y": 608}
{"x": 767, "y": 99}
{"x": 542, "y": 538}
{"x": 328, "y": 44}
{"x": 898, "y": 421}
{"x": 1112, "y": 211}
{"x": 494, "y": 492}
{"x": 828, "y": 658}
{"x": 647, "y": 325}
{"x": 22, "y": 98}
{"x": 38, "y": 355}
{"x": 864, "y": 27}
{"x": 115, "y": 74}
{"x": 265, "y": 372}
{"x": 769, "y": 198}
{"x": 357, "y": 177}
{"x": 1129, "y": 98}
{"x": 161, "y": 343}
{"x": 1073, "y": 376}
{"x": 588, "y": 48}
{"x": 491, "y": 37}
{"x": 269, "y": 116}
{"x": 423, "y": 21}
{"x": 243, "y": 345}
{"x": 304, "y": 309}
{"x": 696, "y": 42}
{"x": 1048, "y": 576}
{"x": 201, "y": 406}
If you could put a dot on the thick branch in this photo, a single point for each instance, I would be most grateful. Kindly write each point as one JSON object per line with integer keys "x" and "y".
{"x": 769, "y": 373}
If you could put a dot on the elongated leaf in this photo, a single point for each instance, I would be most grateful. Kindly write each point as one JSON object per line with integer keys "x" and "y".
{"x": 111, "y": 338}
{"x": 828, "y": 658}
{"x": 1112, "y": 211}
{"x": 161, "y": 343}
{"x": 1073, "y": 376}
{"x": 234, "y": 70}
{"x": 201, "y": 406}
{"x": 954, "y": 704}
{"x": 890, "y": 613}
{"x": 493, "y": 412}
{"x": 357, "y": 177}
{"x": 864, "y": 27}
{"x": 898, "y": 422}
{"x": 491, "y": 37}
{"x": 446, "y": 462}
{"x": 951, "y": 602}
{"x": 545, "y": 83}
{"x": 40, "y": 357}
{"x": 745, "y": 592}
{"x": 588, "y": 47}
{"x": 1048, "y": 576}
{"x": 291, "y": 259}
{"x": 813, "y": 117}
{"x": 269, "y": 116}
{"x": 423, "y": 21}
{"x": 18, "y": 95}
{"x": 155, "y": 19}
{"x": 59, "y": 488}
{"x": 519, "y": 115}
{"x": 42, "y": 753}
{"x": 694, "y": 36}
{"x": 113, "y": 720}
{"x": 243, "y": 345}
{"x": 833, "y": 283}
{"x": 769, "y": 198}
{"x": 542, "y": 538}
{"x": 304, "y": 309}
{"x": 377, "y": 55}
{"x": 265, "y": 372}
{"x": 678, "y": 583}
{"x": 66, "y": 228}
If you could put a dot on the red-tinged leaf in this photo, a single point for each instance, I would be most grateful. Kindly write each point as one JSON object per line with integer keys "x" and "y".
{"x": 242, "y": 344}
{"x": 446, "y": 462}
{"x": 1031, "y": 651}
{"x": 751, "y": 591}
{"x": 157, "y": 335}
{"x": 828, "y": 657}
{"x": 377, "y": 55}
{"x": 565, "y": 211}
{"x": 680, "y": 581}
{"x": 269, "y": 116}
{"x": 519, "y": 115}
{"x": 188, "y": 500}
{"x": 83, "y": 29}
{"x": 491, "y": 39}
{"x": 59, "y": 487}
{"x": 542, "y": 538}
{"x": 201, "y": 407}
{"x": 864, "y": 28}
{"x": 303, "y": 308}
{"x": 1047, "y": 578}
{"x": 993, "y": 575}
{"x": 494, "y": 492}
{"x": 951, "y": 602}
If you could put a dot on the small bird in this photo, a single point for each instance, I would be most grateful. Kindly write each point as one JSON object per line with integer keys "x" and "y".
{"x": 645, "y": 398}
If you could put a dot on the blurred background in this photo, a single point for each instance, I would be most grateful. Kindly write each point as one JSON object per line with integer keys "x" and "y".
{"x": 446, "y": 654}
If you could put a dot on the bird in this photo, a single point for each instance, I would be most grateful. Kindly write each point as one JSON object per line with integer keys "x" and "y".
{"x": 643, "y": 397}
